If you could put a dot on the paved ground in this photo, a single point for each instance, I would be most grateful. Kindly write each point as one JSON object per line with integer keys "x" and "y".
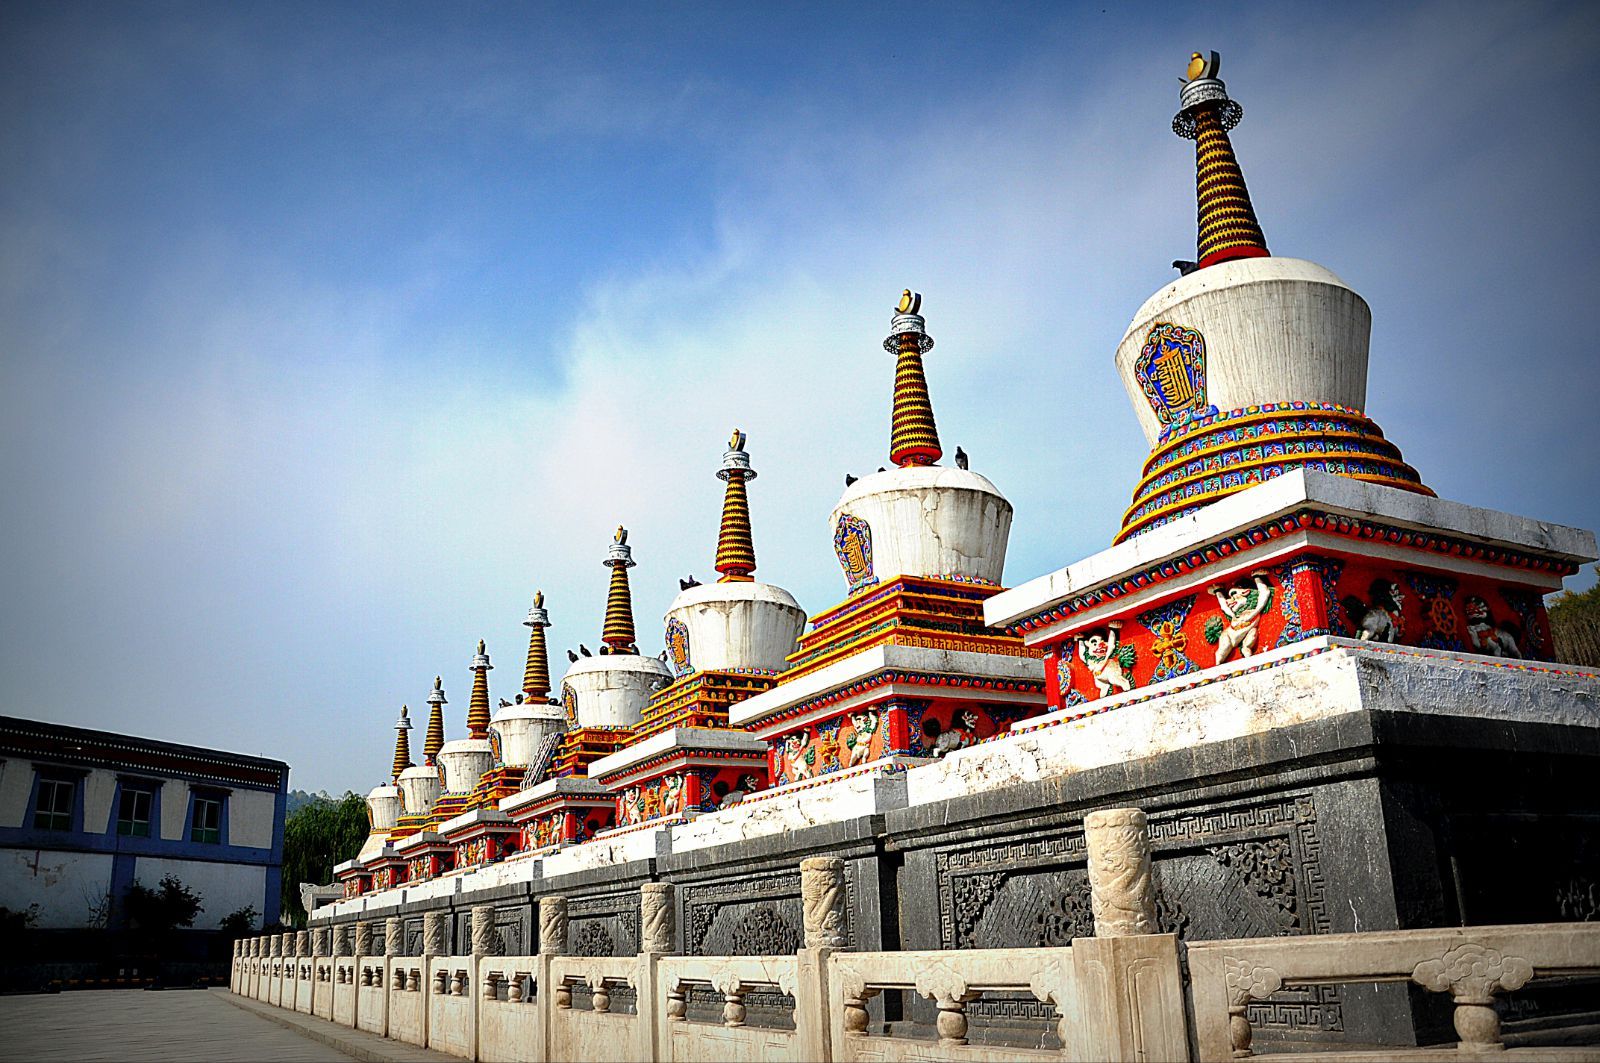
{"x": 134, "y": 1025}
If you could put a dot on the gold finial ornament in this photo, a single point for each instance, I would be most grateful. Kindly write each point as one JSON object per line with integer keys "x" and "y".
{"x": 1201, "y": 66}
{"x": 910, "y": 302}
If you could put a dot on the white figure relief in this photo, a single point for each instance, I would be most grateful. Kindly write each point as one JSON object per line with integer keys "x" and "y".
{"x": 797, "y": 756}
{"x": 1488, "y": 635}
{"x": 1104, "y": 658}
{"x": 1243, "y": 605}
{"x": 1378, "y": 620}
{"x": 863, "y": 725}
{"x": 672, "y": 792}
{"x": 962, "y": 733}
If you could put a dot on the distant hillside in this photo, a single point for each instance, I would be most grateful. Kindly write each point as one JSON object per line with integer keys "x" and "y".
{"x": 300, "y": 798}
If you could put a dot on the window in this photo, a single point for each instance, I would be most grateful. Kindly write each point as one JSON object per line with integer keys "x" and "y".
{"x": 53, "y": 810}
{"x": 133, "y": 814}
{"x": 205, "y": 825}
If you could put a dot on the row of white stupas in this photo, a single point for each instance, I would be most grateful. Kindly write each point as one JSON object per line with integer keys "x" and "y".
{"x": 1275, "y": 540}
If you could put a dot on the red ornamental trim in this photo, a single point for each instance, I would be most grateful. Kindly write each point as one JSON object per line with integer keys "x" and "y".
{"x": 689, "y": 758}
{"x": 1307, "y": 520}
{"x": 881, "y": 679}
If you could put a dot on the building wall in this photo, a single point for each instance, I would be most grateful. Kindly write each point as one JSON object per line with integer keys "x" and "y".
{"x": 69, "y": 874}
{"x": 223, "y": 888}
{"x": 69, "y": 888}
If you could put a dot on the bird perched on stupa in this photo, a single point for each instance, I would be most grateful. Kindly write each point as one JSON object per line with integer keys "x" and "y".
{"x": 573, "y": 657}
{"x": 961, "y": 458}
{"x": 1184, "y": 266}
{"x": 848, "y": 479}
{"x": 685, "y": 584}
{"x": 584, "y": 650}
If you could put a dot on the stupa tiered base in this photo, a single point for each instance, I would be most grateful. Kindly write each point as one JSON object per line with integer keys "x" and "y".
{"x": 582, "y": 746}
{"x": 1219, "y": 454}
{"x": 682, "y": 772}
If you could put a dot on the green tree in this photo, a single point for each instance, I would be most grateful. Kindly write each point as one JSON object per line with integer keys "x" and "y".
{"x": 320, "y": 834}
{"x": 154, "y": 914}
{"x": 1575, "y": 626}
{"x": 239, "y": 923}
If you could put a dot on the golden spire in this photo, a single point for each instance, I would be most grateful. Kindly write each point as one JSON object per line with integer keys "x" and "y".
{"x": 478, "y": 707}
{"x": 736, "y": 552}
{"x": 402, "y": 743}
{"x": 913, "y": 436}
{"x": 536, "y": 674}
{"x": 434, "y": 740}
{"x": 1227, "y": 223}
{"x": 618, "y": 632}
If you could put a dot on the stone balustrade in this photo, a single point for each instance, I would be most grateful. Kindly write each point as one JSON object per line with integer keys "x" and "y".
{"x": 1475, "y": 965}
{"x": 1120, "y": 995}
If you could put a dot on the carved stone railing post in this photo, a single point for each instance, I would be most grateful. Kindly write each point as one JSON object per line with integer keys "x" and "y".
{"x": 286, "y": 950}
{"x": 320, "y": 942}
{"x": 486, "y": 940}
{"x": 302, "y": 943}
{"x": 822, "y": 897}
{"x": 435, "y": 934}
{"x": 1472, "y": 974}
{"x": 553, "y": 926}
{"x": 394, "y": 936}
{"x": 657, "y": 919}
{"x": 1121, "y": 892}
{"x": 341, "y": 940}
{"x": 363, "y": 938}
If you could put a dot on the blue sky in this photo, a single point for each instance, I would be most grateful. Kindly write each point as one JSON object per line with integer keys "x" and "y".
{"x": 329, "y": 332}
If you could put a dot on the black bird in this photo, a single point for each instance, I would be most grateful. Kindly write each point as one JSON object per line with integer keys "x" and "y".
{"x": 584, "y": 650}
{"x": 573, "y": 657}
{"x": 504, "y": 704}
{"x": 604, "y": 649}
{"x": 662, "y": 655}
{"x": 685, "y": 584}
{"x": 961, "y": 458}
{"x": 880, "y": 468}
{"x": 848, "y": 479}
{"x": 1184, "y": 266}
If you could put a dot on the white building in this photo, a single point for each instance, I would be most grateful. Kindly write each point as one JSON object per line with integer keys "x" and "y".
{"x": 85, "y": 813}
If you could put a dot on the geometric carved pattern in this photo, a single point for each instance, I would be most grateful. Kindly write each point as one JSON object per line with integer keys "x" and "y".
{"x": 1239, "y": 869}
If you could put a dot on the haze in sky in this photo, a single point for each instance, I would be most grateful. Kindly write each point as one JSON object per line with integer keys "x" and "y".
{"x": 330, "y": 332}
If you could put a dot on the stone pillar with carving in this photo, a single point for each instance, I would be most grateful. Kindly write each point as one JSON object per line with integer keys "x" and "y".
{"x": 363, "y": 938}
{"x": 394, "y": 936}
{"x": 302, "y": 943}
{"x": 553, "y": 926}
{"x": 274, "y": 946}
{"x": 486, "y": 940}
{"x": 822, "y": 898}
{"x": 1121, "y": 891}
{"x": 436, "y": 934}
{"x": 657, "y": 919}
{"x": 321, "y": 941}
{"x": 341, "y": 941}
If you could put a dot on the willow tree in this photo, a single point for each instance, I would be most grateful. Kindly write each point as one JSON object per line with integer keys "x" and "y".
{"x": 317, "y": 836}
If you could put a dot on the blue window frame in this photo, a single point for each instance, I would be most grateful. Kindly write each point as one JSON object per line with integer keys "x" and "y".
{"x": 205, "y": 820}
{"x": 134, "y": 807}
{"x": 53, "y": 804}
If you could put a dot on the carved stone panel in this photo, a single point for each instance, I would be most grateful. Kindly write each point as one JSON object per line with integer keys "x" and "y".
{"x": 604, "y": 925}
{"x": 1243, "y": 869}
{"x": 753, "y": 915}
